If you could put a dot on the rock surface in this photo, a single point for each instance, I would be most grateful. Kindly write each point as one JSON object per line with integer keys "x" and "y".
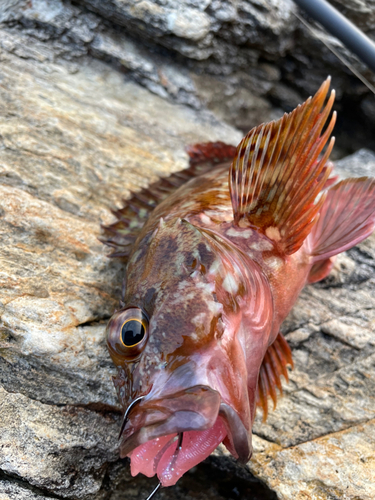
{"x": 238, "y": 59}
{"x": 76, "y": 135}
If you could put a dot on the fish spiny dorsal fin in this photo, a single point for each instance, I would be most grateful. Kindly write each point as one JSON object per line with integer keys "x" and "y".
{"x": 276, "y": 174}
{"x": 277, "y": 357}
{"x": 122, "y": 234}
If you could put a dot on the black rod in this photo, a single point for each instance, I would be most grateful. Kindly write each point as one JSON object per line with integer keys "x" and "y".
{"x": 339, "y": 26}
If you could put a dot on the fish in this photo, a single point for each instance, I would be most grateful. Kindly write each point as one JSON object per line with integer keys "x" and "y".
{"x": 216, "y": 257}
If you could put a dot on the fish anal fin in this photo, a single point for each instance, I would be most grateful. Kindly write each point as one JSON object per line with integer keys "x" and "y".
{"x": 277, "y": 174}
{"x": 136, "y": 209}
{"x": 274, "y": 364}
{"x": 346, "y": 218}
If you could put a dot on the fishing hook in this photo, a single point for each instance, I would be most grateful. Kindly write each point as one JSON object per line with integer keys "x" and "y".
{"x": 126, "y": 414}
{"x": 178, "y": 448}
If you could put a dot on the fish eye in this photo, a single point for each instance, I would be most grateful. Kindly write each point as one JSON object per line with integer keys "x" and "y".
{"x": 132, "y": 332}
{"x": 127, "y": 334}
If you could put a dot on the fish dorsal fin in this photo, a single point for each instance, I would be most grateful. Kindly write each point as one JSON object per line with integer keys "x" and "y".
{"x": 122, "y": 234}
{"x": 276, "y": 174}
{"x": 274, "y": 364}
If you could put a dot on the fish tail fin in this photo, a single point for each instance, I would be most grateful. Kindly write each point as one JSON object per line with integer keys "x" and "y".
{"x": 276, "y": 174}
{"x": 274, "y": 364}
{"x": 346, "y": 218}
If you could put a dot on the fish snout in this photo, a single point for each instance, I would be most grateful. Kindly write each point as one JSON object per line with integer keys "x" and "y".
{"x": 198, "y": 408}
{"x": 193, "y": 409}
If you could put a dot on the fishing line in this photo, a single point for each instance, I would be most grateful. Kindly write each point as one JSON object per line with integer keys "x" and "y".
{"x": 339, "y": 56}
{"x": 343, "y": 29}
{"x": 335, "y": 52}
{"x": 153, "y": 491}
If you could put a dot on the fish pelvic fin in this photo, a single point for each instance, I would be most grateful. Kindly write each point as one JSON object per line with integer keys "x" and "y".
{"x": 276, "y": 174}
{"x": 346, "y": 218}
{"x": 130, "y": 219}
{"x": 275, "y": 361}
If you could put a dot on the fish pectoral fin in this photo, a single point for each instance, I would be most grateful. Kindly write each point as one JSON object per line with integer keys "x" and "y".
{"x": 320, "y": 270}
{"x": 276, "y": 174}
{"x": 274, "y": 364}
{"x": 131, "y": 218}
{"x": 346, "y": 218}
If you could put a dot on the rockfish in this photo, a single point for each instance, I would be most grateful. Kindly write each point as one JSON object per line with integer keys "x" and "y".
{"x": 216, "y": 257}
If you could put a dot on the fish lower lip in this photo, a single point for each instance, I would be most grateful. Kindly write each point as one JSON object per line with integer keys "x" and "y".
{"x": 193, "y": 409}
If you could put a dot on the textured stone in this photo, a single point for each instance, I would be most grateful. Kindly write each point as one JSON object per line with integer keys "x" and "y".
{"x": 236, "y": 59}
{"x": 65, "y": 450}
{"x": 340, "y": 465}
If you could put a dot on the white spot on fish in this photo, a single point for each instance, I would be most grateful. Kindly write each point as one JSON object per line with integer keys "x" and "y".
{"x": 198, "y": 319}
{"x": 206, "y": 287}
{"x": 273, "y": 233}
{"x": 262, "y": 245}
{"x": 215, "y": 307}
{"x": 246, "y": 233}
{"x": 274, "y": 262}
{"x": 205, "y": 219}
{"x": 215, "y": 266}
{"x": 183, "y": 284}
{"x": 230, "y": 283}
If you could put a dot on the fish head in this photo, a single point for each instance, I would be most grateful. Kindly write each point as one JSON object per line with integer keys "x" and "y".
{"x": 187, "y": 364}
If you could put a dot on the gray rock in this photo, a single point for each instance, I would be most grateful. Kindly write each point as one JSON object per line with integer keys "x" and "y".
{"x": 63, "y": 450}
{"x": 360, "y": 164}
{"x": 251, "y": 54}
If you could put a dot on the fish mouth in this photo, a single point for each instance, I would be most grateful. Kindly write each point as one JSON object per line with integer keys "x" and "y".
{"x": 153, "y": 433}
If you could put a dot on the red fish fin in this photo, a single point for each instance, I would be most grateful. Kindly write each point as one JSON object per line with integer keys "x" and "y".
{"x": 122, "y": 234}
{"x": 214, "y": 152}
{"x": 277, "y": 357}
{"x": 276, "y": 174}
{"x": 346, "y": 218}
{"x": 320, "y": 270}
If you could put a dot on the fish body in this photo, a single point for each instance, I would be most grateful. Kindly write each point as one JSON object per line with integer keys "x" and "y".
{"x": 211, "y": 276}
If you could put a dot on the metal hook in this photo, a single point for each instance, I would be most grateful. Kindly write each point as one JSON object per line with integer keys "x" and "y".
{"x": 126, "y": 414}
